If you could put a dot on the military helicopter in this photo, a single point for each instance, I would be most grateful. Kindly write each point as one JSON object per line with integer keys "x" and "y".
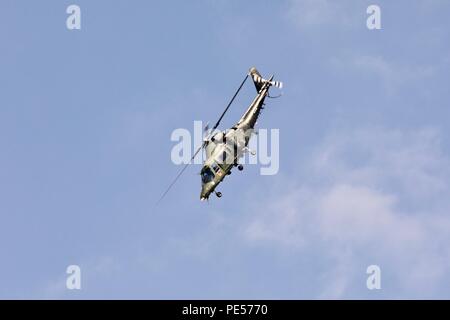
{"x": 225, "y": 148}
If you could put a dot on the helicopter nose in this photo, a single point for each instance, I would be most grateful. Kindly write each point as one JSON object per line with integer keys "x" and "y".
{"x": 204, "y": 194}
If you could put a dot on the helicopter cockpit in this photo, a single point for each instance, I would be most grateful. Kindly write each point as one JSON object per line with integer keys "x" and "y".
{"x": 207, "y": 174}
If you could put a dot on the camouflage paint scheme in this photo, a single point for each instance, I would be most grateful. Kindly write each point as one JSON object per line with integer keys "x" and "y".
{"x": 224, "y": 149}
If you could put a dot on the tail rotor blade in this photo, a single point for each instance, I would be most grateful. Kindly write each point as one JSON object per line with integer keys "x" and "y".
{"x": 258, "y": 79}
{"x": 277, "y": 84}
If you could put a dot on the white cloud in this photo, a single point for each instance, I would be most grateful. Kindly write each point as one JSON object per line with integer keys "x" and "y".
{"x": 391, "y": 74}
{"x": 369, "y": 195}
{"x": 308, "y": 14}
{"x": 411, "y": 162}
{"x": 91, "y": 271}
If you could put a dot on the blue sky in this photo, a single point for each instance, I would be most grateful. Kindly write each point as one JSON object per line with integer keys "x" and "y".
{"x": 85, "y": 124}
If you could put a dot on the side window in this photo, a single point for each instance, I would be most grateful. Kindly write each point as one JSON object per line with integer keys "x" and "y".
{"x": 215, "y": 167}
{"x": 224, "y": 157}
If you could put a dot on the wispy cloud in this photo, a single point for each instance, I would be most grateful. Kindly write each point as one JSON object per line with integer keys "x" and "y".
{"x": 310, "y": 14}
{"x": 101, "y": 267}
{"x": 391, "y": 74}
{"x": 348, "y": 209}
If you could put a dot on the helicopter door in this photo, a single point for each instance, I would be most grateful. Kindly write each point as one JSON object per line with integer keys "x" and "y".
{"x": 215, "y": 167}
{"x": 224, "y": 158}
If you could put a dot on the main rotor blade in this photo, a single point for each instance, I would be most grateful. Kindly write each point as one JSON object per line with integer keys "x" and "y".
{"x": 180, "y": 173}
{"x": 229, "y": 104}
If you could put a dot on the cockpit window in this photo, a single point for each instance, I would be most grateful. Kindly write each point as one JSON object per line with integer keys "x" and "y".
{"x": 207, "y": 175}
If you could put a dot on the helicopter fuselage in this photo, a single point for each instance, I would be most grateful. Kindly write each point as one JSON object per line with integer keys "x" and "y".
{"x": 224, "y": 149}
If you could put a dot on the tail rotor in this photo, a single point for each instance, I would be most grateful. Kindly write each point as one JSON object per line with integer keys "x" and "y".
{"x": 259, "y": 81}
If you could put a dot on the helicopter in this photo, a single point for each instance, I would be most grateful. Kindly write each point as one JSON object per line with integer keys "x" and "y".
{"x": 224, "y": 148}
